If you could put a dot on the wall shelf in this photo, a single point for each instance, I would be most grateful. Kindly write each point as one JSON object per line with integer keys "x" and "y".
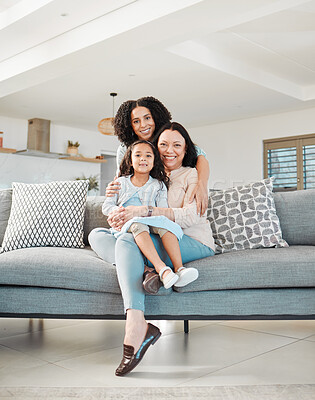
{"x": 84, "y": 159}
{"x": 6, "y": 150}
{"x": 72, "y": 158}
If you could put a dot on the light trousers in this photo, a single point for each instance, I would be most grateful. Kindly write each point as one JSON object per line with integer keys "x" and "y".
{"x": 137, "y": 227}
{"x": 129, "y": 260}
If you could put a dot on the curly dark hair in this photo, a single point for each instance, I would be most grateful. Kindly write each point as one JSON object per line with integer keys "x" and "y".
{"x": 122, "y": 120}
{"x": 190, "y": 158}
{"x": 157, "y": 172}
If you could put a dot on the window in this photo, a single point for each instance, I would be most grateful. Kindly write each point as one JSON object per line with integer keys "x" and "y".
{"x": 291, "y": 161}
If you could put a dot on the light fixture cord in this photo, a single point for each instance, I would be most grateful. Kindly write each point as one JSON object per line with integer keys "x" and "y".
{"x": 113, "y": 96}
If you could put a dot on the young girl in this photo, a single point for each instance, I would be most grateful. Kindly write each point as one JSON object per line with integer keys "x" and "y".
{"x": 143, "y": 182}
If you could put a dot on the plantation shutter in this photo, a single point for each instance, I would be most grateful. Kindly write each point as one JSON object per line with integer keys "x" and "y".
{"x": 291, "y": 161}
{"x": 308, "y": 149}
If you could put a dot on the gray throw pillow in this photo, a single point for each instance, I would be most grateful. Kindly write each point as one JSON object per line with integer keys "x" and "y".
{"x": 5, "y": 207}
{"x": 245, "y": 217}
{"x": 48, "y": 214}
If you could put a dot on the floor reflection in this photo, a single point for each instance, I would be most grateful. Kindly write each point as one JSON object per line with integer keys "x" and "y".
{"x": 36, "y": 331}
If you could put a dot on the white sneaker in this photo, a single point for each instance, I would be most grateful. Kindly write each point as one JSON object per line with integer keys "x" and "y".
{"x": 170, "y": 279}
{"x": 186, "y": 276}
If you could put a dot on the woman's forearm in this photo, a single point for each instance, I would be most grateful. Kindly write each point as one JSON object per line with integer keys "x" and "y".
{"x": 167, "y": 212}
{"x": 203, "y": 169}
{"x": 201, "y": 190}
{"x": 183, "y": 216}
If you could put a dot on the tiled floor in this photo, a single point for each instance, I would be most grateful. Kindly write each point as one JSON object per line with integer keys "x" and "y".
{"x": 65, "y": 353}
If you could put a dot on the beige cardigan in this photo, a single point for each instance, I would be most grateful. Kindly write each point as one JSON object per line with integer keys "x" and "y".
{"x": 182, "y": 182}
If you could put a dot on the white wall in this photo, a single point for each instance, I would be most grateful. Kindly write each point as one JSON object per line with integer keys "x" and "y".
{"x": 15, "y": 168}
{"x": 235, "y": 149}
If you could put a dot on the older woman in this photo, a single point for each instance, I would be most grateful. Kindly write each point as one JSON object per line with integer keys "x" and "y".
{"x": 179, "y": 157}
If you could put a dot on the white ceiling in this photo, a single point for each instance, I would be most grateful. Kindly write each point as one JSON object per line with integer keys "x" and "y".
{"x": 209, "y": 61}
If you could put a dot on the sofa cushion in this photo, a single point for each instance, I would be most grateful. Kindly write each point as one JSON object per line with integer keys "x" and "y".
{"x": 94, "y": 218}
{"x": 47, "y": 214}
{"x": 5, "y": 207}
{"x": 296, "y": 212}
{"x": 244, "y": 217}
{"x": 59, "y": 267}
{"x": 293, "y": 266}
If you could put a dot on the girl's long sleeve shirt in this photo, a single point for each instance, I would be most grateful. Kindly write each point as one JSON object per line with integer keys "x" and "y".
{"x": 152, "y": 193}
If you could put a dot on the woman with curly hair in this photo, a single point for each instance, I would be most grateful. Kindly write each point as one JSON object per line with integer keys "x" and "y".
{"x": 127, "y": 120}
{"x": 141, "y": 119}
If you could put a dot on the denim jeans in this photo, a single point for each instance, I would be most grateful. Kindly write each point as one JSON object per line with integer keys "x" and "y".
{"x": 129, "y": 260}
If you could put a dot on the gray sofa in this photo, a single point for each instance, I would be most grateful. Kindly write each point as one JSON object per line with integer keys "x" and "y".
{"x": 269, "y": 283}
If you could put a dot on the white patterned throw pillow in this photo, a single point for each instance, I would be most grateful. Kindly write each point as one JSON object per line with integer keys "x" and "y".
{"x": 245, "y": 217}
{"x": 47, "y": 214}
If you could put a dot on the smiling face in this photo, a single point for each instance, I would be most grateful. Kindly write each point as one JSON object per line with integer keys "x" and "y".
{"x": 172, "y": 149}
{"x": 142, "y": 158}
{"x": 142, "y": 123}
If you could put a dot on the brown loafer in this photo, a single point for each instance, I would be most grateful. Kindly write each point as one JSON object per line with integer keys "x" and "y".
{"x": 131, "y": 360}
{"x": 151, "y": 282}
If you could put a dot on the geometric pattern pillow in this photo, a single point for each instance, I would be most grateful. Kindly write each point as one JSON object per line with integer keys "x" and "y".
{"x": 48, "y": 214}
{"x": 245, "y": 217}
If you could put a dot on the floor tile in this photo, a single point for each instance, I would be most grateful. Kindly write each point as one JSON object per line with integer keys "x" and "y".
{"x": 178, "y": 357}
{"x": 292, "y": 364}
{"x": 209, "y": 344}
{"x": 13, "y": 362}
{"x": 68, "y": 341}
{"x": 311, "y": 338}
{"x": 48, "y": 375}
{"x": 17, "y": 326}
{"x": 297, "y": 328}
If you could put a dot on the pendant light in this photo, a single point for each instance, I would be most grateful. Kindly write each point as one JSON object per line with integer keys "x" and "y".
{"x": 105, "y": 126}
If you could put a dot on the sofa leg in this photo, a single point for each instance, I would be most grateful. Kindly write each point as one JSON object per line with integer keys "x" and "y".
{"x": 186, "y": 326}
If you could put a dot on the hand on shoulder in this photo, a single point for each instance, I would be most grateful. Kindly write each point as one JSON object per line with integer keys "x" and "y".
{"x": 113, "y": 187}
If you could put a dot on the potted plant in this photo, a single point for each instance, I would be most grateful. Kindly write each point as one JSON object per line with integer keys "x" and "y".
{"x": 73, "y": 148}
{"x": 93, "y": 182}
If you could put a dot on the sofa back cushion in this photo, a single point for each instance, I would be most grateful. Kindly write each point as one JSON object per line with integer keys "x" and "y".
{"x": 296, "y": 212}
{"x": 5, "y": 207}
{"x": 94, "y": 217}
